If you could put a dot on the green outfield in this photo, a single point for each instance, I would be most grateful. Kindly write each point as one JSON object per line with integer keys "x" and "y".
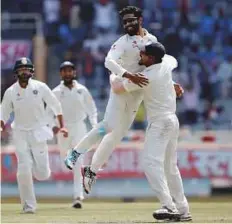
{"x": 112, "y": 212}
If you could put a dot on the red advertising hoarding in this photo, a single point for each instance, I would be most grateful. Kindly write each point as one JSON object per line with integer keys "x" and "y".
{"x": 11, "y": 50}
{"x": 126, "y": 163}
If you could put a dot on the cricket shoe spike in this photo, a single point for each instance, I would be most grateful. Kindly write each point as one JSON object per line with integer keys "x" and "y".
{"x": 71, "y": 159}
{"x": 165, "y": 213}
{"x": 89, "y": 179}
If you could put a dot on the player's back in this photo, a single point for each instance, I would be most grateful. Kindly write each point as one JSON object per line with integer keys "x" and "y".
{"x": 160, "y": 95}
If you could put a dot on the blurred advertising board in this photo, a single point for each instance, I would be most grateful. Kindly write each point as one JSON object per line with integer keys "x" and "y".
{"x": 125, "y": 162}
{"x": 11, "y": 50}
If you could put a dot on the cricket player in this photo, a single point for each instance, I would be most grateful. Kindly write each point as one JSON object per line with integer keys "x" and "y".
{"x": 77, "y": 104}
{"x": 122, "y": 60}
{"x": 27, "y": 98}
{"x": 160, "y": 156}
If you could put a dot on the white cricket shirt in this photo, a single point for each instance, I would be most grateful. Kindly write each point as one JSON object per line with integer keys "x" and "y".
{"x": 124, "y": 54}
{"x": 159, "y": 94}
{"x": 28, "y": 105}
{"x": 77, "y": 103}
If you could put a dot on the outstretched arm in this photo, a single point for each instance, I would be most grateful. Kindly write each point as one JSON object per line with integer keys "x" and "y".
{"x": 120, "y": 85}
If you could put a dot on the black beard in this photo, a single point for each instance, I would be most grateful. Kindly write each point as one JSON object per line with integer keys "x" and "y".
{"x": 24, "y": 78}
{"x": 134, "y": 31}
{"x": 68, "y": 82}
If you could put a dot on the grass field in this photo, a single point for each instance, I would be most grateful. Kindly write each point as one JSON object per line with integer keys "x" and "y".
{"x": 112, "y": 212}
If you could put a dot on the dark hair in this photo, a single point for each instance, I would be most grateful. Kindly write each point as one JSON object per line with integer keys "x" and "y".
{"x": 131, "y": 10}
{"x": 156, "y": 50}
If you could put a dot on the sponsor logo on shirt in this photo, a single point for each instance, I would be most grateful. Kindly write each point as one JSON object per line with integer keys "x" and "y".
{"x": 134, "y": 44}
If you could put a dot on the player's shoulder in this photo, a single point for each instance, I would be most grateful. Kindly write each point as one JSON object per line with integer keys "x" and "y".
{"x": 170, "y": 61}
{"x": 122, "y": 39}
{"x": 148, "y": 71}
{"x": 41, "y": 86}
{"x": 80, "y": 86}
{"x": 10, "y": 88}
{"x": 57, "y": 89}
{"x": 37, "y": 83}
{"x": 151, "y": 37}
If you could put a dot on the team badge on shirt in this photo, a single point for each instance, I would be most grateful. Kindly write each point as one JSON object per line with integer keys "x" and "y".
{"x": 35, "y": 92}
{"x": 135, "y": 44}
{"x": 113, "y": 47}
{"x": 79, "y": 91}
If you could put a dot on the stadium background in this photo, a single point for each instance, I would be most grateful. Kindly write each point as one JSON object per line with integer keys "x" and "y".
{"x": 198, "y": 33}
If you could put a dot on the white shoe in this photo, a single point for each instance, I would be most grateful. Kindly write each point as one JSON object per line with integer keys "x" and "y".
{"x": 89, "y": 179}
{"x": 27, "y": 209}
{"x": 165, "y": 213}
{"x": 186, "y": 217}
{"x": 77, "y": 203}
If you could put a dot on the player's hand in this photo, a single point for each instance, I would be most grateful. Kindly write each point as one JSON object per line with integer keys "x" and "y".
{"x": 55, "y": 130}
{"x": 179, "y": 90}
{"x": 64, "y": 131}
{"x": 138, "y": 79}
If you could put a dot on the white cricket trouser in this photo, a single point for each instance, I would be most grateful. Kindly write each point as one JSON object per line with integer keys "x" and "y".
{"x": 160, "y": 162}
{"x": 120, "y": 114}
{"x": 76, "y": 133}
{"x": 33, "y": 160}
{"x": 121, "y": 109}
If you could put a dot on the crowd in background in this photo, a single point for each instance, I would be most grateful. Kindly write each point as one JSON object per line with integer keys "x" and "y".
{"x": 198, "y": 33}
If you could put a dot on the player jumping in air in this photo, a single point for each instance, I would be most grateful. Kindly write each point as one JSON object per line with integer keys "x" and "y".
{"x": 122, "y": 60}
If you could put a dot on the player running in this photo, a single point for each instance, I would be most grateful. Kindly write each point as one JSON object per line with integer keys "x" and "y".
{"x": 26, "y": 99}
{"x": 160, "y": 155}
{"x": 77, "y": 104}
